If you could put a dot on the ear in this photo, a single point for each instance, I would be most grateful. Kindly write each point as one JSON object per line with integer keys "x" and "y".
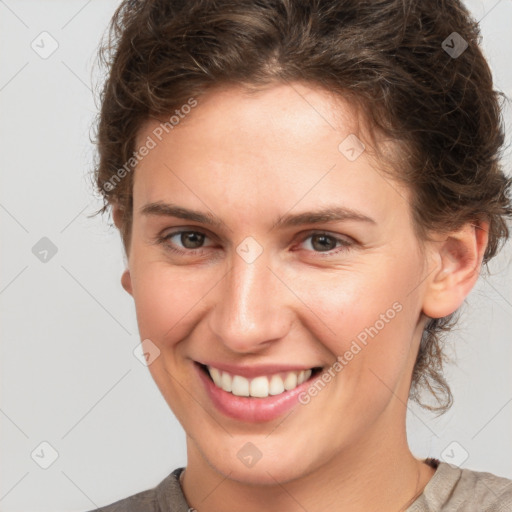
{"x": 126, "y": 282}
{"x": 457, "y": 258}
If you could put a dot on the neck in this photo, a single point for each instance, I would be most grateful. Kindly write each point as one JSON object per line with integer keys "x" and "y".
{"x": 361, "y": 477}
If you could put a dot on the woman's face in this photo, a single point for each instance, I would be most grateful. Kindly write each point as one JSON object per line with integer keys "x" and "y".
{"x": 261, "y": 291}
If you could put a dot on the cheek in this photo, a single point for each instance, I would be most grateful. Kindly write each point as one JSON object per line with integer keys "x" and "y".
{"x": 365, "y": 315}
{"x": 166, "y": 301}
{"x": 347, "y": 300}
{"x": 357, "y": 303}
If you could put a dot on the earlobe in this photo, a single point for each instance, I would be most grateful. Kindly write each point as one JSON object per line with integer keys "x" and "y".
{"x": 457, "y": 262}
{"x": 126, "y": 281}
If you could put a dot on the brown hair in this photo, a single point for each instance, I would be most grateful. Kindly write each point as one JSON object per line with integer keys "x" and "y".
{"x": 395, "y": 58}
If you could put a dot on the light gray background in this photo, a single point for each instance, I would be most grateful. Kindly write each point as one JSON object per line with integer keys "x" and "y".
{"x": 68, "y": 374}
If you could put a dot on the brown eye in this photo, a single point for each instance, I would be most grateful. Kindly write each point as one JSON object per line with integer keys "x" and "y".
{"x": 323, "y": 242}
{"x": 328, "y": 244}
{"x": 191, "y": 239}
{"x": 184, "y": 242}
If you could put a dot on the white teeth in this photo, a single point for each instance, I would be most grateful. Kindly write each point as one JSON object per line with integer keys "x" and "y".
{"x": 239, "y": 386}
{"x": 303, "y": 376}
{"x": 276, "y": 385}
{"x": 291, "y": 381}
{"x": 259, "y": 387}
{"x": 216, "y": 376}
{"x": 225, "y": 382}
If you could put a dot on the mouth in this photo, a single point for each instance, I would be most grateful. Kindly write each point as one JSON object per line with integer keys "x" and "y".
{"x": 260, "y": 386}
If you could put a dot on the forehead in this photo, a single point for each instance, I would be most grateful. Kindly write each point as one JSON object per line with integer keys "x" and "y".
{"x": 291, "y": 111}
{"x": 286, "y": 141}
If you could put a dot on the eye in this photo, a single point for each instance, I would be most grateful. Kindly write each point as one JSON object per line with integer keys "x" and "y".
{"x": 321, "y": 242}
{"x": 191, "y": 242}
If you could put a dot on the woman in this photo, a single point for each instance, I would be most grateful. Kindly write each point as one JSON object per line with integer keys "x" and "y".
{"x": 306, "y": 192}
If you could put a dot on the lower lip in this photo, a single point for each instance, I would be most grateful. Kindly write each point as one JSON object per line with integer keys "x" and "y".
{"x": 250, "y": 409}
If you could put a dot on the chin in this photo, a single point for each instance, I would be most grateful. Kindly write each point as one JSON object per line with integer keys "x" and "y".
{"x": 268, "y": 470}
{"x": 261, "y": 474}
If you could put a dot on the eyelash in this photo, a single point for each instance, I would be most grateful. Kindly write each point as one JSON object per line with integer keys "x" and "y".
{"x": 345, "y": 245}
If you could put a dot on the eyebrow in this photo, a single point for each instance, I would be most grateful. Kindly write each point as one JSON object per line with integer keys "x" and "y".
{"x": 326, "y": 214}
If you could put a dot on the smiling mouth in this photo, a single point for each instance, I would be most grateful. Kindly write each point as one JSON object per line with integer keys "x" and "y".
{"x": 260, "y": 386}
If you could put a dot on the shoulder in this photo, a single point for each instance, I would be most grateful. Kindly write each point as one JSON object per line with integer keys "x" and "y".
{"x": 165, "y": 497}
{"x": 485, "y": 491}
{"x": 453, "y": 489}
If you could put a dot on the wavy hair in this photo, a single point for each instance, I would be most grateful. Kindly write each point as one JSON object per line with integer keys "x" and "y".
{"x": 390, "y": 57}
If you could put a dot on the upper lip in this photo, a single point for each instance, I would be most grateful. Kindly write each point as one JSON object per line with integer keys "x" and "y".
{"x": 257, "y": 370}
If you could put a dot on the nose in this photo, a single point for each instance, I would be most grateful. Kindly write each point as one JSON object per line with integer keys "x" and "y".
{"x": 252, "y": 306}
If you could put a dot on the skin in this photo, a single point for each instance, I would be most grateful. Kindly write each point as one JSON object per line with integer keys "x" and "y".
{"x": 249, "y": 160}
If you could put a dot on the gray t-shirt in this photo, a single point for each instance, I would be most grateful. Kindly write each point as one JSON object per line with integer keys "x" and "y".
{"x": 451, "y": 489}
